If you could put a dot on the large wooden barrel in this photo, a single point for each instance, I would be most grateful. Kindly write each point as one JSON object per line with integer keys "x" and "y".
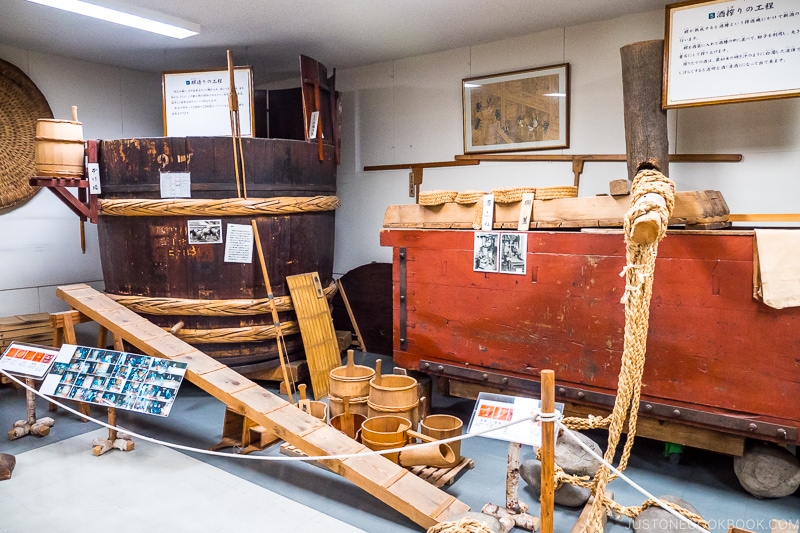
{"x": 154, "y": 264}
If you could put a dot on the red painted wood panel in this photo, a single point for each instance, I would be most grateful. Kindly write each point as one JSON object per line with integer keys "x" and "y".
{"x": 710, "y": 344}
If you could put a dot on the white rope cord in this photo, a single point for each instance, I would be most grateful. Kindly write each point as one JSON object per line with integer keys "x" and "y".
{"x": 632, "y": 483}
{"x": 340, "y": 457}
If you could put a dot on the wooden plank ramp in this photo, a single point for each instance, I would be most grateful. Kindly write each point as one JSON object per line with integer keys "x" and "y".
{"x": 395, "y": 486}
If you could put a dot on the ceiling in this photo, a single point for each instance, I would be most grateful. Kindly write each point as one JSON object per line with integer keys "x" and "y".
{"x": 271, "y": 34}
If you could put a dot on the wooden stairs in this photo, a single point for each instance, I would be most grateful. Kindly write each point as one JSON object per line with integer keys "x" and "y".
{"x": 397, "y": 487}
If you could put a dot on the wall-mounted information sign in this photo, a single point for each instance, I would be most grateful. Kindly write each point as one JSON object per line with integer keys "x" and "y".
{"x": 731, "y": 51}
{"x": 195, "y": 103}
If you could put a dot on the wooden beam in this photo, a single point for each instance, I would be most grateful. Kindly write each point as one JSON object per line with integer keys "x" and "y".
{"x": 397, "y": 487}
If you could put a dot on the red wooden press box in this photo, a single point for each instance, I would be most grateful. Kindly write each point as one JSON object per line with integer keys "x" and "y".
{"x": 717, "y": 358}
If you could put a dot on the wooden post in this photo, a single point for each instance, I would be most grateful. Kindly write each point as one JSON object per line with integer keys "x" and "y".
{"x": 646, "y": 142}
{"x": 546, "y": 498}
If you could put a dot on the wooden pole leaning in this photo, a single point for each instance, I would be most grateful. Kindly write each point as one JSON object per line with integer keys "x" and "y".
{"x": 278, "y": 332}
{"x": 546, "y": 498}
{"x": 233, "y": 106}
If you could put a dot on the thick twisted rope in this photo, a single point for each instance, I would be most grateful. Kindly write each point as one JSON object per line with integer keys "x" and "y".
{"x": 278, "y": 205}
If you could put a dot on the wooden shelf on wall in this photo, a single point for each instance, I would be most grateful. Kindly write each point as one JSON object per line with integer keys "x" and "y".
{"x": 578, "y": 161}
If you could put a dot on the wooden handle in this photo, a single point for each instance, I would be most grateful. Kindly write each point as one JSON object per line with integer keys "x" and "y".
{"x": 351, "y": 367}
{"x": 420, "y": 436}
{"x": 378, "y": 372}
{"x": 302, "y": 389}
{"x": 74, "y": 113}
{"x": 233, "y": 97}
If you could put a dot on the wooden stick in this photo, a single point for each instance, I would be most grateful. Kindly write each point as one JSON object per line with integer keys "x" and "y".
{"x": 319, "y": 118}
{"x": 233, "y": 106}
{"x": 351, "y": 315}
{"x": 274, "y": 311}
{"x": 546, "y": 498}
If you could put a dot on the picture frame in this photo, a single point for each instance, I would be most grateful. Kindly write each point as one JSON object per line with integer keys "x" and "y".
{"x": 517, "y": 111}
{"x": 718, "y": 52}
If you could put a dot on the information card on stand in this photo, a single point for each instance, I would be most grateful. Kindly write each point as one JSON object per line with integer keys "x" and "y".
{"x": 496, "y": 410}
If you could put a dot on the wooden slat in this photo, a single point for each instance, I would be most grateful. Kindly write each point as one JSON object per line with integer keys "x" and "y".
{"x": 316, "y": 329}
{"x": 691, "y": 207}
{"x": 388, "y": 482}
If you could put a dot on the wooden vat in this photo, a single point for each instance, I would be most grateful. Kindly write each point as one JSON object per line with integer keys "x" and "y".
{"x": 717, "y": 359}
{"x": 150, "y": 265}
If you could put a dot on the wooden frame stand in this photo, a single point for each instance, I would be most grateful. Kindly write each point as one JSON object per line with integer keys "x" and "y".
{"x": 238, "y": 431}
{"x": 39, "y": 427}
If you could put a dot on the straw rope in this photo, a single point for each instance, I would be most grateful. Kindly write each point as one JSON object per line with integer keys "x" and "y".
{"x": 432, "y": 198}
{"x": 638, "y": 274}
{"x": 465, "y": 525}
{"x": 469, "y": 197}
{"x": 190, "y": 307}
{"x": 21, "y": 105}
{"x": 278, "y": 205}
{"x": 231, "y": 335}
{"x": 510, "y": 195}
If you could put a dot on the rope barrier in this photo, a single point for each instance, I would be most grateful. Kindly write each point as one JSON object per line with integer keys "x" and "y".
{"x": 340, "y": 457}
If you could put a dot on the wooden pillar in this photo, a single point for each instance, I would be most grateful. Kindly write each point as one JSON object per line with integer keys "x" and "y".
{"x": 646, "y": 142}
{"x": 546, "y": 497}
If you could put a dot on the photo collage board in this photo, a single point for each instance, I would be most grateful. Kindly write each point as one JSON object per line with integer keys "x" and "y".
{"x": 110, "y": 378}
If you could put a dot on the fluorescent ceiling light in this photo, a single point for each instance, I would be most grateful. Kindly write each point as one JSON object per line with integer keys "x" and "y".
{"x": 560, "y": 95}
{"x": 176, "y": 28}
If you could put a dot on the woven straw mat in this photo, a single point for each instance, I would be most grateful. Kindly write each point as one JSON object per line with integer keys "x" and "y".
{"x": 550, "y": 193}
{"x": 509, "y": 195}
{"x": 21, "y": 105}
{"x": 469, "y": 197}
{"x": 436, "y": 197}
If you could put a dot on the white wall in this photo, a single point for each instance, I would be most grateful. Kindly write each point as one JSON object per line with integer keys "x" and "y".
{"x": 409, "y": 111}
{"x": 40, "y": 244}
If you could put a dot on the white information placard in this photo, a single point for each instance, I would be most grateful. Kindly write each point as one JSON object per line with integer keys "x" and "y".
{"x": 239, "y": 244}
{"x": 196, "y": 103}
{"x": 496, "y": 410}
{"x": 723, "y": 51}
{"x": 28, "y": 360}
{"x": 175, "y": 184}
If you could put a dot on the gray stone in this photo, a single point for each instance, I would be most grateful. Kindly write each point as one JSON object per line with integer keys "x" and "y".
{"x": 657, "y": 520}
{"x": 575, "y": 460}
{"x": 567, "y": 495}
{"x": 767, "y": 470}
{"x": 7, "y": 464}
{"x": 489, "y": 521}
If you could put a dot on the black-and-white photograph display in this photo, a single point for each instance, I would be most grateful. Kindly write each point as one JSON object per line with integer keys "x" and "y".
{"x": 116, "y": 379}
{"x": 485, "y": 251}
{"x": 513, "y": 248}
{"x": 205, "y": 231}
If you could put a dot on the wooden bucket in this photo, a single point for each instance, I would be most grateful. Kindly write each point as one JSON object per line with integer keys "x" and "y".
{"x": 58, "y": 147}
{"x": 358, "y": 421}
{"x": 393, "y": 395}
{"x": 357, "y": 406}
{"x": 444, "y": 427}
{"x": 350, "y": 380}
{"x": 318, "y": 410}
{"x": 156, "y": 266}
{"x": 385, "y": 433}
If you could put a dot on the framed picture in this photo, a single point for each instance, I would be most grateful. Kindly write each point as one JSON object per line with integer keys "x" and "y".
{"x": 721, "y": 51}
{"x": 513, "y": 250}
{"x": 515, "y": 111}
{"x": 485, "y": 251}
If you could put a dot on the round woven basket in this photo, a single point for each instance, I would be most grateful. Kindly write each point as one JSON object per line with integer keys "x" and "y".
{"x": 21, "y": 105}
{"x": 509, "y": 195}
{"x": 436, "y": 197}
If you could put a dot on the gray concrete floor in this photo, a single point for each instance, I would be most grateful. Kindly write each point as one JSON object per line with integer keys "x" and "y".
{"x": 704, "y": 479}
